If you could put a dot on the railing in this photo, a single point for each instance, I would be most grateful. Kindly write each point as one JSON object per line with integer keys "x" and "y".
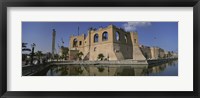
{"x": 32, "y": 69}
{"x": 114, "y": 62}
{"x": 155, "y": 61}
{"x": 102, "y": 62}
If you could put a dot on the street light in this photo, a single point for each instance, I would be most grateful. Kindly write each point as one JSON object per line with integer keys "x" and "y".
{"x": 32, "y": 53}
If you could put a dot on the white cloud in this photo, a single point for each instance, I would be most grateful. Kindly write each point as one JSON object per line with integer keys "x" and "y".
{"x": 132, "y": 26}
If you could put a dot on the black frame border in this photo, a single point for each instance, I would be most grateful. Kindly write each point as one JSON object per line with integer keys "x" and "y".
{"x": 99, "y": 3}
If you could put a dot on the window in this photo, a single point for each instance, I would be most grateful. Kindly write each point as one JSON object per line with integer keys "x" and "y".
{"x": 125, "y": 37}
{"x": 117, "y": 36}
{"x": 96, "y": 37}
{"x": 105, "y": 36}
{"x": 80, "y": 43}
{"x": 75, "y": 42}
{"x": 135, "y": 41}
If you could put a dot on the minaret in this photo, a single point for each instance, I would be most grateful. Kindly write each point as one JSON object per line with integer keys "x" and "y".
{"x": 53, "y": 42}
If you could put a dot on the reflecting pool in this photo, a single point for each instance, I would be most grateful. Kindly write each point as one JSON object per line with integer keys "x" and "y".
{"x": 166, "y": 69}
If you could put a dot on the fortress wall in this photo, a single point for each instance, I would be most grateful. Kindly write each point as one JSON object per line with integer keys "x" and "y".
{"x": 146, "y": 51}
{"x": 72, "y": 54}
{"x": 122, "y": 43}
{"x": 100, "y": 35}
{"x": 123, "y": 51}
{"x": 126, "y": 47}
{"x": 122, "y": 35}
{"x": 79, "y": 44}
{"x": 106, "y": 49}
{"x": 137, "y": 53}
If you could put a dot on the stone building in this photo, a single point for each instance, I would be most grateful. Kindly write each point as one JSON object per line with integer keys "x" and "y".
{"x": 113, "y": 42}
{"x": 146, "y": 51}
{"x": 153, "y": 52}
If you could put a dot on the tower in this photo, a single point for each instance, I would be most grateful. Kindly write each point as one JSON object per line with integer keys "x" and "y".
{"x": 53, "y": 42}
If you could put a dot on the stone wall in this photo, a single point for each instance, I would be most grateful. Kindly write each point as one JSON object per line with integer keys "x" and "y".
{"x": 137, "y": 54}
{"x": 72, "y": 54}
{"x": 146, "y": 52}
{"x": 79, "y": 42}
{"x": 106, "y": 49}
{"x": 119, "y": 45}
{"x": 153, "y": 52}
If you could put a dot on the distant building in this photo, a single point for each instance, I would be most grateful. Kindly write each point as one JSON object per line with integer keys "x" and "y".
{"x": 114, "y": 43}
{"x": 146, "y": 51}
{"x": 156, "y": 52}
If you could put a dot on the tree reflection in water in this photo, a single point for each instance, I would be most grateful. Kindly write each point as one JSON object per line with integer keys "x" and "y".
{"x": 114, "y": 70}
{"x": 101, "y": 69}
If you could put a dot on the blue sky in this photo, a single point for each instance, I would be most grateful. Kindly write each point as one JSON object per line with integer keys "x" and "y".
{"x": 161, "y": 34}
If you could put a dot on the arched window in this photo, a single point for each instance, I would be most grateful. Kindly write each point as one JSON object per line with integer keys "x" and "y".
{"x": 105, "y": 36}
{"x": 96, "y": 37}
{"x": 75, "y": 41}
{"x": 117, "y": 36}
{"x": 125, "y": 37}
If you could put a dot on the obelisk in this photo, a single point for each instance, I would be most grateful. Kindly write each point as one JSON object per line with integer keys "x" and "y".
{"x": 53, "y": 42}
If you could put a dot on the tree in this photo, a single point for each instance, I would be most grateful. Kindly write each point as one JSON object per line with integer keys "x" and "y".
{"x": 101, "y": 69}
{"x": 79, "y": 55}
{"x": 169, "y": 54}
{"x": 24, "y": 55}
{"x": 48, "y": 55}
{"x": 56, "y": 56}
{"x": 64, "y": 52}
{"x": 165, "y": 56}
{"x": 100, "y": 56}
{"x": 39, "y": 54}
{"x": 24, "y": 47}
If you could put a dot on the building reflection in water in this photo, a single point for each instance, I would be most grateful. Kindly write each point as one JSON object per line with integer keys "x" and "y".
{"x": 167, "y": 69}
{"x": 109, "y": 70}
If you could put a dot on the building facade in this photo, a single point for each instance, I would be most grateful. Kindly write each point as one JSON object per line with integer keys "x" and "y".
{"x": 156, "y": 53}
{"x": 113, "y": 42}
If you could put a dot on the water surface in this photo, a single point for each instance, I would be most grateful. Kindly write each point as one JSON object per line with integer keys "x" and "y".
{"x": 166, "y": 69}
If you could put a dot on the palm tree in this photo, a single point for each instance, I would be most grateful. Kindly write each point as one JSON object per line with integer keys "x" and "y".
{"x": 24, "y": 55}
{"x": 65, "y": 52}
{"x": 56, "y": 56}
{"x": 100, "y": 56}
{"x": 24, "y": 47}
{"x": 39, "y": 54}
{"x": 48, "y": 55}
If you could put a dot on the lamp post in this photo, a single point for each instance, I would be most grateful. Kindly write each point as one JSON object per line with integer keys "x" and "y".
{"x": 32, "y": 52}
